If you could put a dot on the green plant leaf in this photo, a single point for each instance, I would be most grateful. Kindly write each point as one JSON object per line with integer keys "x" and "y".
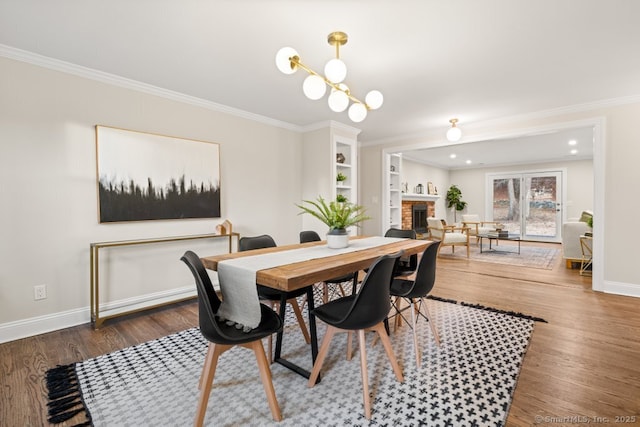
{"x": 336, "y": 215}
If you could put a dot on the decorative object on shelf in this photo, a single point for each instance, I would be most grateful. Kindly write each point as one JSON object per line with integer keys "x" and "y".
{"x": 225, "y": 228}
{"x": 341, "y": 198}
{"x": 454, "y": 133}
{"x": 430, "y": 188}
{"x": 454, "y": 200}
{"x": 340, "y": 158}
{"x": 337, "y": 216}
{"x": 315, "y": 85}
{"x": 405, "y": 187}
{"x": 393, "y": 168}
{"x": 419, "y": 189}
{"x": 341, "y": 178}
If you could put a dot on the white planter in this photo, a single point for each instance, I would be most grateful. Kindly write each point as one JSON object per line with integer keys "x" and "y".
{"x": 337, "y": 241}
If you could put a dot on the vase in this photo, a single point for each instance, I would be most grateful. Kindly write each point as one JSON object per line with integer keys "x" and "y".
{"x": 337, "y": 238}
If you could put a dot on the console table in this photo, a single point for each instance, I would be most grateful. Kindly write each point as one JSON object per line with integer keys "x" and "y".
{"x": 97, "y": 318}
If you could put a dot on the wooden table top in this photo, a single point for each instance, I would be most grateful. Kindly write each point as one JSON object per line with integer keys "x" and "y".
{"x": 293, "y": 276}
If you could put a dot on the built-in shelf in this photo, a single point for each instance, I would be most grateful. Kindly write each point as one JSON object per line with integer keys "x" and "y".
{"x": 420, "y": 197}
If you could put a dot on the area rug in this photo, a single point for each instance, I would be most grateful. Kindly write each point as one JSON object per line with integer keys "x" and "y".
{"x": 507, "y": 253}
{"x": 468, "y": 380}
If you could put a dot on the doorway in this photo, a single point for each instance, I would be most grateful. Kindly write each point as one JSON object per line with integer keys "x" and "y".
{"x": 528, "y": 204}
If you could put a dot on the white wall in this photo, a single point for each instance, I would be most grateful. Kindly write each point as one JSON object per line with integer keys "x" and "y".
{"x": 48, "y": 214}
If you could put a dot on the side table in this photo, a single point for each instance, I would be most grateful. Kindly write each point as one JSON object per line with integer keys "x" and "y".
{"x": 586, "y": 246}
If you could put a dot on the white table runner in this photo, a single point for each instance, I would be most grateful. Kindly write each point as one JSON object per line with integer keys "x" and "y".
{"x": 237, "y": 277}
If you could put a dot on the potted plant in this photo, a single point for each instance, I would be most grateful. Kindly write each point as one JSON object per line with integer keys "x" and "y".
{"x": 341, "y": 178}
{"x": 341, "y": 198}
{"x": 454, "y": 200}
{"x": 338, "y": 216}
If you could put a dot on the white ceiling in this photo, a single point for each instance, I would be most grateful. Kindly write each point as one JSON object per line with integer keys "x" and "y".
{"x": 554, "y": 146}
{"x": 432, "y": 59}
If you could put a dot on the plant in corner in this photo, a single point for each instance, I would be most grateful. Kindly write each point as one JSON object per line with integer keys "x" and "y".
{"x": 454, "y": 200}
{"x": 338, "y": 216}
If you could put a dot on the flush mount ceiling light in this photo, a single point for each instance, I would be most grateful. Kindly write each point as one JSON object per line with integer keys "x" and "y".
{"x": 315, "y": 85}
{"x": 454, "y": 133}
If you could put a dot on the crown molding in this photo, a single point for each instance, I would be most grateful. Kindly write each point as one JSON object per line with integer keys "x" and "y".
{"x": 330, "y": 124}
{"x": 115, "y": 80}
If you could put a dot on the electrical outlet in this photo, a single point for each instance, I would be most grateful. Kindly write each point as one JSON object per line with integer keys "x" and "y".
{"x": 39, "y": 292}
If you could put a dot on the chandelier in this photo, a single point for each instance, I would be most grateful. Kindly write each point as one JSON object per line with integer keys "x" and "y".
{"x": 315, "y": 85}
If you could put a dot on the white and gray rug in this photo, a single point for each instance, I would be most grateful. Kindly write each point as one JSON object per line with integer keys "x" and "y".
{"x": 468, "y": 380}
{"x": 506, "y": 253}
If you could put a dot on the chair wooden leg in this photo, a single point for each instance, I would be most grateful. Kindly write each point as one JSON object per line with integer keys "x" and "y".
{"x": 298, "y": 313}
{"x": 349, "y": 348}
{"x": 342, "y": 293}
{"x": 325, "y": 293}
{"x": 322, "y": 353}
{"x": 267, "y": 383}
{"x": 365, "y": 374}
{"x": 398, "y": 320}
{"x": 414, "y": 325}
{"x": 384, "y": 338}
{"x": 207, "y": 361}
{"x": 431, "y": 324}
{"x": 206, "y": 378}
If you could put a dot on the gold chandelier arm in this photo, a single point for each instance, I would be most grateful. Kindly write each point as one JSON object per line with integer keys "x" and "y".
{"x": 295, "y": 61}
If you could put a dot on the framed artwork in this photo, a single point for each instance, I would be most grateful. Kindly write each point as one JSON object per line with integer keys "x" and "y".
{"x": 430, "y": 188}
{"x": 143, "y": 176}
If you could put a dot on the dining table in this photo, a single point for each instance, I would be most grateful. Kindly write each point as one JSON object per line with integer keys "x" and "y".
{"x": 292, "y": 275}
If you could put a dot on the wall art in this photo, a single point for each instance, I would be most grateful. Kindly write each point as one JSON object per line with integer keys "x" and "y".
{"x": 143, "y": 176}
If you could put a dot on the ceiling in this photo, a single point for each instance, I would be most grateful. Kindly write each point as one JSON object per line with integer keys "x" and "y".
{"x": 566, "y": 145}
{"x": 432, "y": 60}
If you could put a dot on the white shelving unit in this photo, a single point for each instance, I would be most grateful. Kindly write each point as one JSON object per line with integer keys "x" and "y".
{"x": 348, "y": 168}
{"x": 321, "y": 167}
{"x": 392, "y": 194}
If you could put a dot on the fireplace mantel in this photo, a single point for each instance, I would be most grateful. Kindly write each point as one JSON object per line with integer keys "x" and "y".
{"x": 413, "y": 197}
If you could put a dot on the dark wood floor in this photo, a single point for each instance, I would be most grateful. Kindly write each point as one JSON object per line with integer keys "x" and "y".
{"x": 584, "y": 362}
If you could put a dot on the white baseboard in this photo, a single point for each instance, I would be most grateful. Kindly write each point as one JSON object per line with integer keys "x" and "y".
{"x": 619, "y": 288}
{"x": 65, "y": 319}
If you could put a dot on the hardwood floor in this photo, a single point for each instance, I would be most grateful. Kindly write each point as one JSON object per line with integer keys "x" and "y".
{"x": 583, "y": 363}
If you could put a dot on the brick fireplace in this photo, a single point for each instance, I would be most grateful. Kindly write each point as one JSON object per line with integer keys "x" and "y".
{"x": 409, "y": 212}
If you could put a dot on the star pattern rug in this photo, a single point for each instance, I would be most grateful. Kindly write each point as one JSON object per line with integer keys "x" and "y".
{"x": 468, "y": 380}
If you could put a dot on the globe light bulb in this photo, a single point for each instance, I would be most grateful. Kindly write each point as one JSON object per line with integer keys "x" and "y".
{"x": 338, "y": 100}
{"x": 314, "y": 87}
{"x": 454, "y": 134}
{"x": 357, "y": 112}
{"x": 335, "y": 70}
{"x": 283, "y": 60}
{"x": 374, "y": 99}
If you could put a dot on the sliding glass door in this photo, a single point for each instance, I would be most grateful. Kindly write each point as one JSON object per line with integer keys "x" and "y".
{"x": 528, "y": 204}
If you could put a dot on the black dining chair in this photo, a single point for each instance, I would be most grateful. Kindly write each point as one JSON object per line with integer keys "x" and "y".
{"x": 414, "y": 291}
{"x": 363, "y": 311}
{"x": 223, "y": 337}
{"x": 406, "y": 265}
{"x": 277, "y": 299}
{"x": 311, "y": 236}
